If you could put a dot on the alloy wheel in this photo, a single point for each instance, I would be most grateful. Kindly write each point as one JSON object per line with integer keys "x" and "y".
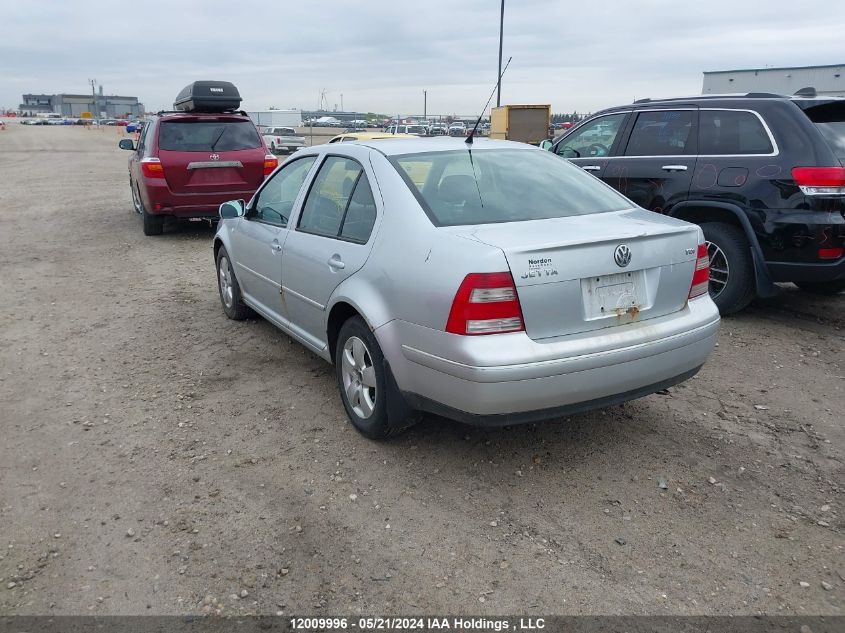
{"x": 225, "y": 277}
{"x": 359, "y": 377}
{"x": 720, "y": 270}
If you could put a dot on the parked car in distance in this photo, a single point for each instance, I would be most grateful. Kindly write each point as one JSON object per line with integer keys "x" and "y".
{"x": 282, "y": 140}
{"x": 187, "y": 163}
{"x": 494, "y": 285}
{"x": 412, "y": 129}
{"x": 135, "y": 126}
{"x": 762, "y": 174}
{"x": 459, "y": 128}
{"x": 438, "y": 130}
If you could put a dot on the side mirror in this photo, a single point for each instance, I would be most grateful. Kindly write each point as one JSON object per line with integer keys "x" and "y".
{"x": 231, "y": 209}
{"x": 546, "y": 145}
{"x": 127, "y": 143}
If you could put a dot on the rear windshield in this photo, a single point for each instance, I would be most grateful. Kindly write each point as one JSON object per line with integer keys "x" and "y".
{"x": 830, "y": 120}
{"x": 502, "y": 185}
{"x": 208, "y": 136}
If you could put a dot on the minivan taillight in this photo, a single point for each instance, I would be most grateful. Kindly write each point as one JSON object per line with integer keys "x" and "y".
{"x": 820, "y": 181}
{"x": 270, "y": 163}
{"x": 486, "y": 303}
{"x": 152, "y": 168}
{"x": 701, "y": 276}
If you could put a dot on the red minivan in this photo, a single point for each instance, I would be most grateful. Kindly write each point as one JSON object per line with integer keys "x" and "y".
{"x": 185, "y": 164}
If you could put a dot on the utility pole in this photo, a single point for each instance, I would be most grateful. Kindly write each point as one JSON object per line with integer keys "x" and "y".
{"x": 501, "y": 33}
{"x": 94, "y": 107}
{"x": 341, "y": 102}
{"x": 425, "y": 105}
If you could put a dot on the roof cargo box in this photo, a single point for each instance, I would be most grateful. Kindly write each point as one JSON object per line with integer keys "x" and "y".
{"x": 208, "y": 96}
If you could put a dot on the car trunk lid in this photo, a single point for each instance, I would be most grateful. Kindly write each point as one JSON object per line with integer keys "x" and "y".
{"x": 567, "y": 276}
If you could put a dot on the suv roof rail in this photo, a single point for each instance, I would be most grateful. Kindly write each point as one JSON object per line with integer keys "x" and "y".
{"x": 160, "y": 112}
{"x": 734, "y": 95}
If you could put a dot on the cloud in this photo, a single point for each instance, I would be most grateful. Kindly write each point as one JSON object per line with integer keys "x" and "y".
{"x": 381, "y": 55}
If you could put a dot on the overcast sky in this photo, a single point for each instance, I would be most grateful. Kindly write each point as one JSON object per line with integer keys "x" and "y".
{"x": 381, "y": 55}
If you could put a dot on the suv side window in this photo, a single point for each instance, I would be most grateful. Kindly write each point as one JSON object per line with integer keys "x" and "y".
{"x": 594, "y": 139}
{"x": 726, "y": 132}
{"x": 661, "y": 133}
{"x": 275, "y": 201}
{"x": 340, "y": 202}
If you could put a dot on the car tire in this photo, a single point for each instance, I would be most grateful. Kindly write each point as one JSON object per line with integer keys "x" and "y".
{"x": 229, "y": 288}
{"x": 153, "y": 224}
{"x": 137, "y": 203}
{"x": 732, "y": 285}
{"x": 833, "y": 287}
{"x": 366, "y": 385}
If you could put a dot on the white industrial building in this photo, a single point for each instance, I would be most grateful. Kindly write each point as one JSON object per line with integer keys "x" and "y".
{"x": 827, "y": 80}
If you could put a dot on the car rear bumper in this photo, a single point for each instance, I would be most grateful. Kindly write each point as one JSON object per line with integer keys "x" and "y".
{"x": 509, "y": 378}
{"x": 160, "y": 200}
{"x": 801, "y": 271}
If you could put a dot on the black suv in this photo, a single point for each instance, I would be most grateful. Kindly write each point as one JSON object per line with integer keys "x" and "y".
{"x": 762, "y": 174}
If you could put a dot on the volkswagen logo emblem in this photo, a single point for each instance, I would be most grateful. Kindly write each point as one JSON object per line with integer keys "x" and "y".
{"x": 622, "y": 255}
{"x": 215, "y": 157}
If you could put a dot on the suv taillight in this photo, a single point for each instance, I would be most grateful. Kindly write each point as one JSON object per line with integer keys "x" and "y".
{"x": 270, "y": 163}
{"x": 486, "y": 303}
{"x": 152, "y": 168}
{"x": 701, "y": 276}
{"x": 820, "y": 181}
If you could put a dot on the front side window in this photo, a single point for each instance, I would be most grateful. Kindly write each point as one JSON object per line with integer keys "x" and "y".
{"x": 275, "y": 201}
{"x": 208, "y": 136}
{"x": 340, "y": 202}
{"x": 594, "y": 139}
{"x": 660, "y": 133}
{"x": 502, "y": 185}
{"x": 727, "y": 132}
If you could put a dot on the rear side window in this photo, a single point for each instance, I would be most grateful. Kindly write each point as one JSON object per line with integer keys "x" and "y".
{"x": 208, "y": 136}
{"x": 663, "y": 133}
{"x": 829, "y": 118}
{"x": 502, "y": 185}
{"x": 340, "y": 202}
{"x": 726, "y": 132}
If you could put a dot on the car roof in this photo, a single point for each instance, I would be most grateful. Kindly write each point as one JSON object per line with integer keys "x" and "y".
{"x": 420, "y": 145}
{"x": 372, "y": 136}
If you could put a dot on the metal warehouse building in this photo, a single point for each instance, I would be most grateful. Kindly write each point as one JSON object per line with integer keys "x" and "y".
{"x": 827, "y": 80}
{"x": 71, "y": 105}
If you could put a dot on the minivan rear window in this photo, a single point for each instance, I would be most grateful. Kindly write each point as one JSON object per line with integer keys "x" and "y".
{"x": 208, "y": 136}
{"x": 830, "y": 121}
{"x": 464, "y": 187}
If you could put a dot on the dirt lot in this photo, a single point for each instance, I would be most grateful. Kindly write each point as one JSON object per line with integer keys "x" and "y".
{"x": 159, "y": 458}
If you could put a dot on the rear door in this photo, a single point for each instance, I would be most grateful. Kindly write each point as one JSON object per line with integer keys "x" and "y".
{"x": 332, "y": 240}
{"x": 656, "y": 160}
{"x": 593, "y": 143}
{"x": 211, "y": 154}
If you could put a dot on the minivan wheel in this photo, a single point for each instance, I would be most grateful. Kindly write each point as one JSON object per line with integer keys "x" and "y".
{"x": 153, "y": 224}
{"x": 833, "y": 287}
{"x": 732, "y": 285}
{"x": 361, "y": 374}
{"x": 229, "y": 289}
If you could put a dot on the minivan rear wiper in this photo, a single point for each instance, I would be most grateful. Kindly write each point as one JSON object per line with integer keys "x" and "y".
{"x": 217, "y": 140}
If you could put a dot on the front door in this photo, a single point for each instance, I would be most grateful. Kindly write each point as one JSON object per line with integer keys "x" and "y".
{"x": 332, "y": 241}
{"x": 655, "y": 167}
{"x": 259, "y": 237}
{"x": 592, "y": 144}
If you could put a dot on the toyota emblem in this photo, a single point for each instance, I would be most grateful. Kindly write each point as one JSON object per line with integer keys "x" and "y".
{"x": 622, "y": 255}
{"x": 215, "y": 157}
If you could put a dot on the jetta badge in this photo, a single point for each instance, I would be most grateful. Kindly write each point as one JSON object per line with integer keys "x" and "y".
{"x": 622, "y": 255}
{"x": 215, "y": 157}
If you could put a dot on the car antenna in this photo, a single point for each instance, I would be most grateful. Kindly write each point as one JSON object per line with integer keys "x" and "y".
{"x": 478, "y": 122}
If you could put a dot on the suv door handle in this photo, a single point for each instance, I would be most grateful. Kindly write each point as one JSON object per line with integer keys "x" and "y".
{"x": 276, "y": 247}
{"x": 591, "y": 167}
{"x": 674, "y": 168}
{"x": 336, "y": 262}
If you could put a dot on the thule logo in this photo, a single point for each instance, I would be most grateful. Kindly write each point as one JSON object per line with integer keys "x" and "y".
{"x": 216, "y": 89}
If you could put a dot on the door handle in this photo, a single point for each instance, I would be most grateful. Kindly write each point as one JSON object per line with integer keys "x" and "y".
{"x": 276, "y": 247}
{"x": 591, "y": 167}
{"x": 336, "y": 262}
{"x": 674, "y": 167}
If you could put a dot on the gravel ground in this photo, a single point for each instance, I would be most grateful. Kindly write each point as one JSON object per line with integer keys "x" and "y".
{"x": 159, "y": 458}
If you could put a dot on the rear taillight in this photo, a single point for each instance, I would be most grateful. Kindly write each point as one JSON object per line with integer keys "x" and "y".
{"x": 831, "y": 253}
{"x": 152, "y": 168}
{"x": 701, "y": 276}
{"x": 820, "y": 181}
{"x": 270, "y": 163}
{"x": 486, "y": 303}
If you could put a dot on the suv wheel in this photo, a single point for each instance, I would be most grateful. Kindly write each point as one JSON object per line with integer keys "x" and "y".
{"x": 230, "y": 289}
{"x": 362, "y": 380}
{"x": 832, "y": 287}
{"x": 136, "y": 198}
{"x": 732, "y": 285}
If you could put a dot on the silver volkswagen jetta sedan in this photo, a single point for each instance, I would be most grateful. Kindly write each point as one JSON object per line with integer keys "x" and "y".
{"x": 492, "y": 283}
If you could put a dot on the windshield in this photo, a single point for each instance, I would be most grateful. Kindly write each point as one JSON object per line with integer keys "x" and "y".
{"x": 208, "y": 136}
{"x": 502, "y": 185}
